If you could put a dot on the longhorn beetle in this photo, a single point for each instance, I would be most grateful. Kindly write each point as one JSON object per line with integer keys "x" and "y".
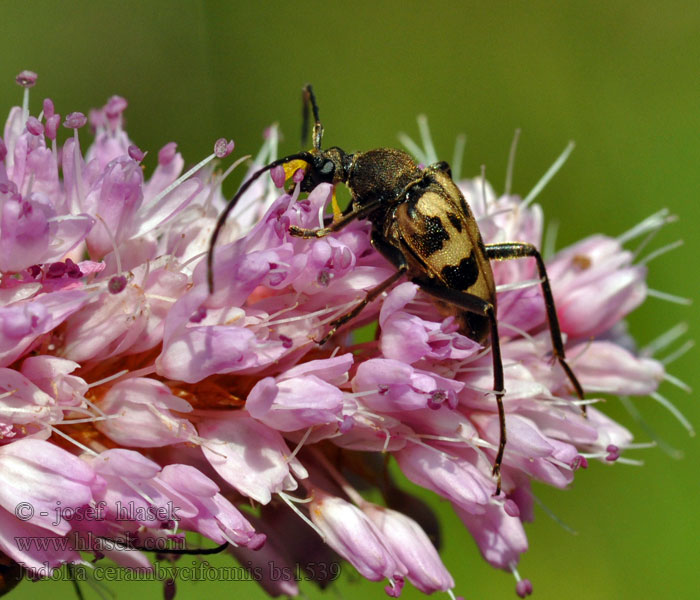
{"x": 422, "y": 224}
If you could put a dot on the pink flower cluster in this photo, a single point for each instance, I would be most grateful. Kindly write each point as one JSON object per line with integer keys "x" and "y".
{"x": 125, "y": 385}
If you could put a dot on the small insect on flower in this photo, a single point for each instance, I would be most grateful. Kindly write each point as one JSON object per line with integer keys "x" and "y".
{"x": 422, "y": 225}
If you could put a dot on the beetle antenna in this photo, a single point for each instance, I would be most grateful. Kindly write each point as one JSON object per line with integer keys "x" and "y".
{"x": 306, "y": 156}
{"x": 310, "y": 99}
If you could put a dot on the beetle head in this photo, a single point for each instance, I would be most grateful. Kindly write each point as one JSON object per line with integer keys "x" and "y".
{"x": 326, "y": 166}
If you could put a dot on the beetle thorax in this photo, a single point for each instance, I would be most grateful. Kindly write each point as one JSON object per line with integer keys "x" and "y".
{"x": 380, "y": 174}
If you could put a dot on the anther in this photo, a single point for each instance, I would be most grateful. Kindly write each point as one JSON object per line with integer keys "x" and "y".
{"x": 223, "y": 147}
{"x": 26, "y": 79}
{"x": 116, "y": 284}
{"x": 75, "y": 120}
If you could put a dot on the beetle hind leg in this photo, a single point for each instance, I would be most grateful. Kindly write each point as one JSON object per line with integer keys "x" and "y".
{"x": 521, "y": 250}
{"x": 373, "y": 294}
{"x": 476, "y": 305}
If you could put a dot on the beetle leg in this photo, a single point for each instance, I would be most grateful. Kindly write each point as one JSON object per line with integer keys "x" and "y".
{"x": 398, "y": 260}
{"x": 344, "y": 220}
{"x": 520, "y": 250}
{"x": 373, "y": 294}
{"x": 476, "y": 305}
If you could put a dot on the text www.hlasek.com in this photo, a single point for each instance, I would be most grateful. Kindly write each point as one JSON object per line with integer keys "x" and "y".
{"x": 91, "y": 543}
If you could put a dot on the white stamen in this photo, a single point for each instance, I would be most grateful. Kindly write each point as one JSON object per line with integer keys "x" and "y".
{"x": 520, "y": 332}
{"x": 556, "y": 401}
{"x": 281, "y": 312}
{"x": 413, "y": 148}
{"x": 430, "y": 153}
{"x": 481, "y": 390}
{"x": 143, "y": 371}
{"x": 387, "y": 433}
{"x": 54, "y": 151}
{"x": 107, "y": 379}
{"x": 363, "y": 394}
{"x": 651, "y": 223}
{"x": 458, "y": 156}
{"x": 518, "y": 285}
{"x": 147, "y": 272}
{"x": 94, "y": 407}
{"x": 515, "y": 572}
{"x": 483, "y": 190}
{"x": 321, "y": 210}
{"x": 667, "y": 404}
{"x": 485, "y": 368}
{"x": 418, "y": 442}
{"x": 552, "y": 515}
{"x": 664, "y": 340}
{"x": 82, "y": 410}
{"x": 323, "y": 311}
{"x": 77, "y": 171}
{"x": 678, "y": 353}
{"x": 679, "y": 383}
{"x": 195, "y": 258}
{"x": 83, "y": 447}
{"x": 546, "y": 178}
{"x": 663, "y": 250}
{"x": 511, "y": 162}
{"x": 669, "y": 297}
{"x": 137, "y": 488}
{"x": 340, "y": 310}
{"x": 555, "y": 462}
{"x": 290, "y": 501}
{"x": 88, "y": 420}
{"x": 476, "y": 357}
{"x": 217, "y": 181}
{"x": 300, "y": 445}
{"x": 549, "y": 247}
{"x": 650, "y": 431}
{"x": 25, "y": 106}
{"x": 177, "y": 182}
{"x": 61, "y": 218}
{"x": 113, "y": 241}
{"x": 623, "y": 460}
{"x": 474, "y": 442}
{"x": 490, "y": 215}
{"x": 30, "y": 183}
{"x": 159, "y": 297}
{"x": 641, "y": 446}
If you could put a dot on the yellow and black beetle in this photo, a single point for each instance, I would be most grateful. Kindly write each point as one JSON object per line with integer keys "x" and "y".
{"x": 422, "y": 224}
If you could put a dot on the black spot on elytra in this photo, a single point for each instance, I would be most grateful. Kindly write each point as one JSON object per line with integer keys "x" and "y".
{"x": 462, "y": 276}
{"x": 456, "y": 222}
{"x": 435, "y": 236}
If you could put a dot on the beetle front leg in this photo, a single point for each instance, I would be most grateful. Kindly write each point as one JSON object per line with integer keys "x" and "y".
{"x": 478, "y": 306}
{"x": 521, "y": 250}
{"x": 346, "y": 219}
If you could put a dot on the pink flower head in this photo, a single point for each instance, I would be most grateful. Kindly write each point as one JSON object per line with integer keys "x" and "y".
{"x": 145, "y": 407}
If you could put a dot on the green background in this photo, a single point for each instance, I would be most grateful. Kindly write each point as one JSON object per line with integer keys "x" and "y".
{"x": 619, "y": 78}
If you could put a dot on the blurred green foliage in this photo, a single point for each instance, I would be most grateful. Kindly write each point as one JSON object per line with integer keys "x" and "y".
{"x": 620, "y": 78}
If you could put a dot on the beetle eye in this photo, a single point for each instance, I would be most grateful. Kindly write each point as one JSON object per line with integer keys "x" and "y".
{"x": 328, "y": 168}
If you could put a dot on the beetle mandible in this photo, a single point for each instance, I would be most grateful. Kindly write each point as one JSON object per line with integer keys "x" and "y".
{"x": 422, "y": 224}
